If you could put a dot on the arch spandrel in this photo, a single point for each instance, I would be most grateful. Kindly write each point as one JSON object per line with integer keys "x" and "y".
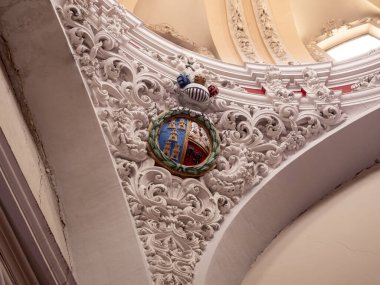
{"x": 318, "y": 169}
{"x": 132, "y": 84}
{"x": 263, "y": 115}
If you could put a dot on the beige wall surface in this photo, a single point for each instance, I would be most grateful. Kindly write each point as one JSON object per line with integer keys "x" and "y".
{"x": 188, "y": 17}
{"x": 285, "y": 21}
{"x": 296, "y": 22}
{"x": 336, "y": 242}
{"x": 21, "y": 142}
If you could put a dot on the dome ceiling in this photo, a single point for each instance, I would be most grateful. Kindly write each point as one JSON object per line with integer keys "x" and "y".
{"x": 237, "y": 31}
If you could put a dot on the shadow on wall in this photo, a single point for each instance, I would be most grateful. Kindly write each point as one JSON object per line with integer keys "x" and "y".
{"x": 336, "y": 242}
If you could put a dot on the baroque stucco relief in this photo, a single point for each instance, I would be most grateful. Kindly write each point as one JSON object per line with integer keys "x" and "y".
{"x": 176, "y": 217}
{"x": 239, "y": 31}
{"x": 269, "y": 31}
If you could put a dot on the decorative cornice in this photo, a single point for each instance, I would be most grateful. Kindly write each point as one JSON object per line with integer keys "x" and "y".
{"x": 269, "y": 31}
{"x": 317, "y": 90}
{"x": 141, "y": 42}
{"x": 239, "y": 31}
{"x": 369, "y": 81}
{"x": 180, "y": 62}
{"x": 274, "y": 86}
{"x": 175, "y": 217}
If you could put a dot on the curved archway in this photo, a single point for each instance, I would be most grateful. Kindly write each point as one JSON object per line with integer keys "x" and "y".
{"x": 321, "y": 167}
{"x": 264, "y": 212}
{"x": 335, "y": 242}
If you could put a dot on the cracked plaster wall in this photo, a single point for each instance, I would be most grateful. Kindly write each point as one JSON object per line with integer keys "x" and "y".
{"x": 21, "y": 142}
{"x": 336, "y": 242}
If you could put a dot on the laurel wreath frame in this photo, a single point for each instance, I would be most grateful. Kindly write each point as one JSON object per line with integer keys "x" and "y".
{"x": 174, "y": 167}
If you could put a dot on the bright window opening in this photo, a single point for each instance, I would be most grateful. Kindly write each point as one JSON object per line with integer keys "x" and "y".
{"x": 355, "y": 47}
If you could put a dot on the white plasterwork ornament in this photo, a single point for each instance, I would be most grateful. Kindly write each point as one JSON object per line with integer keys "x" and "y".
{"x": 175, "y": 217}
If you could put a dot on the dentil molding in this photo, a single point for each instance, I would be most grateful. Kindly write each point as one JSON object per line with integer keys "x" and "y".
{"x": 175, "y": 217}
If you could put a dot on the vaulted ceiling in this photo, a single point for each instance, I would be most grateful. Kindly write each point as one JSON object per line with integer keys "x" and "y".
{"x": 237, "y": 31}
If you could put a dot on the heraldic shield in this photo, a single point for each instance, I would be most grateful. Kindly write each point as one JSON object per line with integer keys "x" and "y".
{"x": 184, "y": 141}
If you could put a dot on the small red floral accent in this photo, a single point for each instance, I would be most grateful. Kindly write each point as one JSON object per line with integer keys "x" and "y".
{"x": 213, "y": 90}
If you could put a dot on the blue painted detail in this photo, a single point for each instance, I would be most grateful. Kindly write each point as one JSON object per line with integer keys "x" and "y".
{"x": 183, "y": 80}
{"x": 165, "y": 135}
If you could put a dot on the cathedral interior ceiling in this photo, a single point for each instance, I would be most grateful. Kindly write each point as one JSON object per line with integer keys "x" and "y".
{"x": 269, "y": 30}
{"x": 266, "y": 117}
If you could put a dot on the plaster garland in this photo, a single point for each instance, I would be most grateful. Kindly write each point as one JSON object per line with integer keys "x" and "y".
{"x": 269, "y": 31}
{"x": 176, "y": 217}
{"x": 239, "y": 31}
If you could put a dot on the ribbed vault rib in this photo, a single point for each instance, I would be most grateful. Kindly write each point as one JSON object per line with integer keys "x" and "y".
{"x": 269, "y": 31}
{"x": 239, "y": 31}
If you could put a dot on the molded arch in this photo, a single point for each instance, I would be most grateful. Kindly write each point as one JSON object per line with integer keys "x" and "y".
{"x": 290, "y": 190}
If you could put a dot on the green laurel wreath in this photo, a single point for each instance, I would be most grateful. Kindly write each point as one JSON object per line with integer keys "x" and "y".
{"x": 177, "y": 168}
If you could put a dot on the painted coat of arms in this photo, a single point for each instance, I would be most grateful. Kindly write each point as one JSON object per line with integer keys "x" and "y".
{"x": 184, "y": 140}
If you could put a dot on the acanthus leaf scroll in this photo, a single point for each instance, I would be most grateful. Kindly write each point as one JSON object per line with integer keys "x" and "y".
{"x": 176, "y": 217}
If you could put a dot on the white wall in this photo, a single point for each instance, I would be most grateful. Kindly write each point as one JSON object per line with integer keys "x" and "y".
{"x": 21, "y": 142}
{"x": 336, "y": 242}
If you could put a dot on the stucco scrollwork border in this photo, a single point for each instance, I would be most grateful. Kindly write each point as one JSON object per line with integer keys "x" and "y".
{"x": 269, "y": 31}
{"x": 175, "y": 217}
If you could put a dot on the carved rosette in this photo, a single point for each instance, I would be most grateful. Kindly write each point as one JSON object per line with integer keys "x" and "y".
{"x": 176, "y": 217}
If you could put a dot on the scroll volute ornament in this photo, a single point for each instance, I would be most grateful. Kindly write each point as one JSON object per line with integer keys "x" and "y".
{"x": 175, "y": 217}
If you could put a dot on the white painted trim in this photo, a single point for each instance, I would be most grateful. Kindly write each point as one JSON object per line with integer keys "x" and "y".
{"x": 291, "y": 189}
